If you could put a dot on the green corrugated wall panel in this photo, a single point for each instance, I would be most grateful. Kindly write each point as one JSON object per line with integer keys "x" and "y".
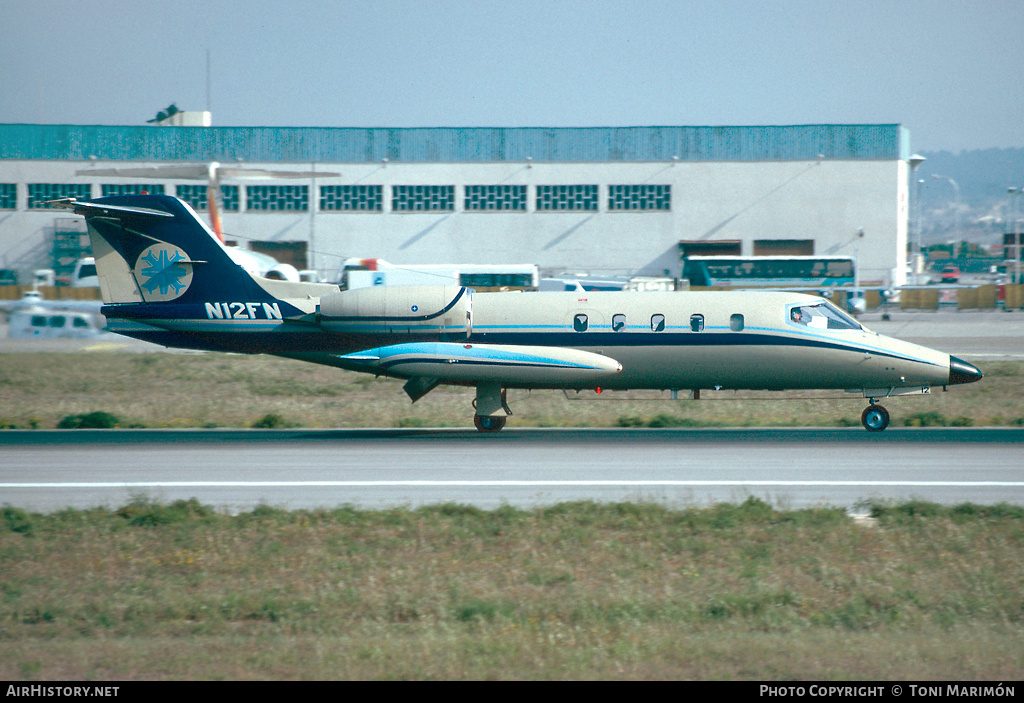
{"x": 464, "y": 144}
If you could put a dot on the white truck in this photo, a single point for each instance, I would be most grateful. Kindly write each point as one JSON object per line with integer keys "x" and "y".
{"x": 84, "y": 275}
{"x": 363, "y": 273}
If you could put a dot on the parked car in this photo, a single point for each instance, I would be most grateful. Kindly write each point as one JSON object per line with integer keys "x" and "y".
{"x": 950, "y": 274}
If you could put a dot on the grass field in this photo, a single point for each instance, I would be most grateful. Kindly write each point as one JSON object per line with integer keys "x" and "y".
{"x": 230, "y": 390}
{"x": 575, "y": 591}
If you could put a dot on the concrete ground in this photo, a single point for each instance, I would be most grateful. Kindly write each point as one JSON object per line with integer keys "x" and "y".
{"x": 990, "y": 334}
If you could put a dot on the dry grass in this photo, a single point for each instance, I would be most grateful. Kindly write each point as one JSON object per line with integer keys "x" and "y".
{"x": 579, "y": 591}
{"x": 222, "y": 390}
{"x": 575, "y": 591}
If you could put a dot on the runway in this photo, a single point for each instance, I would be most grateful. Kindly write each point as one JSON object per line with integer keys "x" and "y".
{"x": 237, "y": 470}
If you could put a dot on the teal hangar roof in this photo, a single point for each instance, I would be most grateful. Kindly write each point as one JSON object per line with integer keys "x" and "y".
{"x": 453, "y": 144}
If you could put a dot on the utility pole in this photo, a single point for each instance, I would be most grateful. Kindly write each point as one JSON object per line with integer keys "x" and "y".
{"x": 1014, "y": 192}
{"x": 915, "y": 161}
{"x": 956, "y": 188}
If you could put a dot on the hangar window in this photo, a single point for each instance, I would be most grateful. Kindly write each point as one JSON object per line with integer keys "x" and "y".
{"x": 8, "y": 196}
{"x": 783, "y": 247}
{"x": 39, "y": 193}
{"x": 196, "y": 196}
{"x": 352, "y": 198}
{"x": 736, "y": 322}
{"x": 422, "y": 198}
{"x": 277, "y": 198}
{"x": 131, "y": 189}
{"x": 641, "y": 196}
{"x": 696, "y": 323}
{"x": 557, "y": 198}
{"x": 618, "y": 322}
{"x": 580, "y": 323}
{"x": 658, "y": 323}
{"x": 497, "y": 197}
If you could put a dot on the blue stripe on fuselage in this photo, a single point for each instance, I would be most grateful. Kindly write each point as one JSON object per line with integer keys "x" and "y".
{"x": 610, "y": 340}
{"x": 280, "y": 336}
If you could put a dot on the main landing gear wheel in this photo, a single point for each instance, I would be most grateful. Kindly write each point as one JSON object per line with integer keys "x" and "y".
{"x": 489, "y": 423}
{"x": 875, "y": 418}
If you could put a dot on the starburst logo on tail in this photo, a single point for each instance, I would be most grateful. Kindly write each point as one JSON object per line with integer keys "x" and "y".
{"x": 162, "y": 273}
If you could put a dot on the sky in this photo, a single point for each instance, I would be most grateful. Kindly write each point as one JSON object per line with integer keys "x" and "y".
{"x": 951, "y": 72}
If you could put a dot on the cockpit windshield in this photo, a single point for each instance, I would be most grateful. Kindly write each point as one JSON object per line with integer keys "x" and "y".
{"x": 823, "y": 316}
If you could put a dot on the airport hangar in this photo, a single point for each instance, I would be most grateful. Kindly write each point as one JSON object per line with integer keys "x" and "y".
{"x": 605, "y": 201}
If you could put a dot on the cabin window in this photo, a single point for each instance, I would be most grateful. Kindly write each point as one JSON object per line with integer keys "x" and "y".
{"x": 822, "y": 316}
{"x": 57, "y": 321}
{"x": 618, "y": 322}
{"x": 38, "y": 321}
{"x": 79, "y": 322}
{"x": 580, "y": 323}
{"x": 736, "y": 322}
{"x": 658, "y": 323}
{"x": 696, "y": 322}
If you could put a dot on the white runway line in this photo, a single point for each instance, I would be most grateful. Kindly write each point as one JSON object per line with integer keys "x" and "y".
{"x": 371, "y": 484}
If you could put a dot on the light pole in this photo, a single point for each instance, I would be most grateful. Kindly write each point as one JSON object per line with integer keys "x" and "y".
{"x": 957, "y": 220}
{"x": 1013, "y": 229}
{"x": 920, "y": 246}
{"x": 915, "y": 161}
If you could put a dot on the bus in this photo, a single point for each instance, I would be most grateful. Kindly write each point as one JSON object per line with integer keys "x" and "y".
{"x": 362, "y": 273}
{"x": 769, "y": 271}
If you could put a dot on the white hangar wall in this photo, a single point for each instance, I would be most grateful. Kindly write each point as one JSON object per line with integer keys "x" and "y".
{"x": 850, "y": 201}
{"x": 828, "y": 202}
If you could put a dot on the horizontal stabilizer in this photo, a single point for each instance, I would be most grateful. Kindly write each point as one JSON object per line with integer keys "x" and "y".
{"x": 511, "y": 365}
{"x": 95, "y": 209}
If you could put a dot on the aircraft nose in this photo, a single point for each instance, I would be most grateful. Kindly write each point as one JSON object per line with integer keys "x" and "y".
{"x": 962, "y": 372}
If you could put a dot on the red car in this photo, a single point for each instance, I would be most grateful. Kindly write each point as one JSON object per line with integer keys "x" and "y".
{"x": 950, "y": 274}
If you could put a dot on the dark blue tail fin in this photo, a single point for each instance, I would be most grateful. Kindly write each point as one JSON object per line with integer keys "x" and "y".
{"x": 155, "y": 249}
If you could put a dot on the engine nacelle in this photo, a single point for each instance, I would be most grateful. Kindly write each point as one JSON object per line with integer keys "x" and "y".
{"x": 444, "y": 311}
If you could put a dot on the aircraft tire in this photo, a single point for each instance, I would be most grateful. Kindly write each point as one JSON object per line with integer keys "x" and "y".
{"x": 875, "y": 418}
{"x": 489, "y": 423}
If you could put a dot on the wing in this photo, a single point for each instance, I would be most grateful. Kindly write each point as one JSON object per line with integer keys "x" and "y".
{"x": 480, "y": 363}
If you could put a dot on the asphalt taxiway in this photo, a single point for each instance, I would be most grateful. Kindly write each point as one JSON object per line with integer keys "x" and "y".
{"x": 239, "y": 470}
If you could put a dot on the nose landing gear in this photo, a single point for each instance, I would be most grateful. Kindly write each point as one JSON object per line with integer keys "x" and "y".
{"x": 875, "y": 418}
{"x": 489, "y": 423}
